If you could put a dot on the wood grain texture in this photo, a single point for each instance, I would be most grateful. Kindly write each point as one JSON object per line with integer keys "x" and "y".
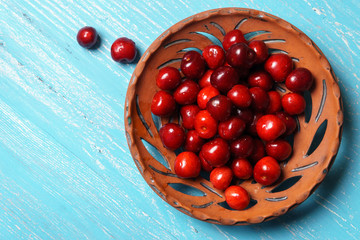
{"x": 65, "y": 169}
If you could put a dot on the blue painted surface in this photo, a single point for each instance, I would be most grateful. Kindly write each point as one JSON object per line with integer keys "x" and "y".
{"x": 65, "y": 168}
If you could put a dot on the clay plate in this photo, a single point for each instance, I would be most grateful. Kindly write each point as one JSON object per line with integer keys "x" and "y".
{"x": 315, "y": 144}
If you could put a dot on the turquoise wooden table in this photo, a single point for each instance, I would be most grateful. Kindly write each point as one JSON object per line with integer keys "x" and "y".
{"x": 65, "y": 168}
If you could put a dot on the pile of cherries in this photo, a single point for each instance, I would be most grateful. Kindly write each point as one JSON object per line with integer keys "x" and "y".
{"x": 234, "y": 124}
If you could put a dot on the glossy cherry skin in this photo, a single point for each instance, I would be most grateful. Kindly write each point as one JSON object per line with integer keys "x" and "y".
{"x": 260, "y": 99}
{"x": 258, "y": 152}
{"x": 87, "y": 37}
{"x": 214, "y": 56}
{"x": 275, "y": 102}
{"x": 187, "y": 165}
{"x": 193, "y": 65}
{"x": 205, "y": 124}
{"x": 224, "y": 78}
{"x": 172, "y": 136}
{"x": 237, "y": 197}
{"x": 240, "y": 96}
{"x": 289, "y": 121}
{"x": 205, "y": 95}
{"x": 261, "y": 79}
{"x": 293, "y": 103}
{"x": 168, "y": 78}
{"x": 231, "y": 129}
{"x": 221, "y": 177}
{"x": 242, "y": 147}
{"x": 219, "y": 107}
{"x": 205, "y": 79}
{"x": 245, "y": 114}
{"x": 186, "y": 92}
{"x": 241, "y": 168}
{"x": 252, "y": 127}
{"x": 240, "y": 56}
{"x": 278, "y": 149}
{"x": 279, "y": 66}
{"x": 188, "y": 113}
{"x": 204, "y": 164}
{"x": 233, "y": 37}
{"x": 123, "y": 50}
{"x": 299, "y": 80}
{"x": 260, "y": 49}
{"x": 216, "y": 152}
{"x": 269, "y": 127}
{"x": 266, "y": 171}
{"x": 163, "y": 104}
{"x": 193, "y": 142}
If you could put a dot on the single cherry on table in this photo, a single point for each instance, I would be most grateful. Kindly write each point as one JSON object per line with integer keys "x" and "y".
{"x": 87, "y": 37}
{"x": 123, "y": 50}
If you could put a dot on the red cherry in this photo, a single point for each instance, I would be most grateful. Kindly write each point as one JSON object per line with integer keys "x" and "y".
{"x": 205, "y": 79}
{"x": 289, "y": 121}
{"x": 252, "y": 127}
{"x": 245, "y": 114}
{"x": 123, "y": 50}
{"x": 186, "y": 92}
{"x": 241, "y": 168}
{"x": 188, "y": 113}
{"x": 193, "y": 65}
{"x": 293, "y": 103}
{"x": 240, "y": 96}
{"x": 224, "y": 78}
{"x": 299, "y": 80}
{"x": 168, "y": 78}
{"x": 237, "y": 197}
{"x": 232, "y": 128}
{"x": 233, "y": 37}
{"x": 216, "y": 152}
{"x": 87, "y": 37}
{"x": 270, "y": 127}
{"x": 267, "y": 171}
{"x": 279, "y": 66}
{"x": 205, "y": 95}
{"x": 275, "y": 102}
{"x": 193, "y": 142}
{"x": 240, "y": 56}
{"x": 172, "y": 136}
{"x": 260, "y": 99}
{"x": 204, "y": 164}
{"x": 242, "y": 147}
{"x": 219, "y": 107}
{"x": 221, "y": 177}
{"x": 261, "y": 79}
{"x": 187, "y": 165}
{"x": 258, "y": 152}
{"x": 163, "y": 104}
{"x": 205, "y": 124}
{"x": 278, "y": 149}
{"x": 214, "y": 56}
{"x": 260, "y": 49}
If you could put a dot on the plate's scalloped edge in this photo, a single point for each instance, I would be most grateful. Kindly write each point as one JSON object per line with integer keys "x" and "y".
{"x": 129, "y": 105}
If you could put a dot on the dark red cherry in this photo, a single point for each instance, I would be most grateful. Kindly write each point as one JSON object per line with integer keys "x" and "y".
{"x": 193, "y": 142}
{"x": 233, "y": 37}
{"x": 219, "y": 107}
{"x": 270, "y": 127}
{"x": 172, "y": 136}
{"x": 275, "y": 102}
{"x": 240, "y": 56}
{"x": 188, "y": 113}
{"x": 193, "y": 65}
{"x": 163, "y": 104}
{"x": 205, "y": 95}
{"x": 240, "y": 96}
{"x": 214, "y": 56}
{"x": 293, "y": 103}
{"x": 242, "y": 147}
{"x": 224, "y": 78}
{"x": 258, "y": 152}
{"x": 204, "y": 164}
{"x": 252, "y": 127}
{"x": 241, "y": 168}
{"x": 261, "y": 79}
{"x": 289, "y": 121}
{"x": 246, "y": 115}
{"x": 87, "y": 37}
{"x": 186, "y": 92}
{"x": 260, "y": 49}
{"x": 260, "y": 99}
{"x": 232, "y": 128}
{"x": 279, "y": 66}
{"x": 205, "y": 79}
{"x": 168, "y": 78}
{"x": 266, "y": 171}
{"x": 278, "y": 149}
{"x": 299, "y": 80}
{"x": 216, "y": 152}
{"x": 123, "y": 50}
